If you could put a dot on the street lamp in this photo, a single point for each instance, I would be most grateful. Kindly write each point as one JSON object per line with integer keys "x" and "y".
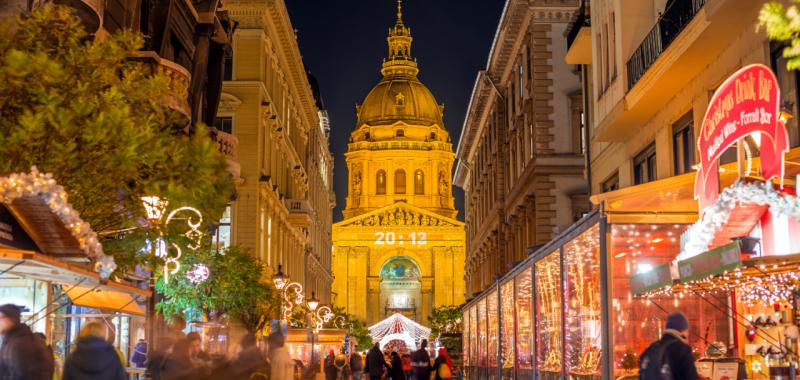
{"x": 279, "y": 278}
{"x": 313, "y": 302}
{"x": 291, "y": 293}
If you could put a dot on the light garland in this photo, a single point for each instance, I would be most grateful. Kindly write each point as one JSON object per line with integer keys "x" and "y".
{"x": 155, "y": 206}
{"x": 292, "y": 295}
{"x": 198, "y": 273}
{"x": 398, "y": 326}
{"x": 36, "y": 184}
{"x": 701, "y": 234}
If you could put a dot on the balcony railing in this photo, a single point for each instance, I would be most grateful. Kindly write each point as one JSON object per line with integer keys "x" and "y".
{"x": 227, "y": 146}
{"x": 583, "y": 19}
{"x": 297, "y": 206}
{"x": 669, "y": 25}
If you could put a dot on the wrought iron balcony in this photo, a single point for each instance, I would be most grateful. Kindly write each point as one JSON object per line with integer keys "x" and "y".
{"x": 667, "y": 28}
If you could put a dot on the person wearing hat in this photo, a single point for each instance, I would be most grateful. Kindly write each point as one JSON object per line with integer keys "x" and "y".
{"x": 671, "y": 356}
{"x": 22, "y": 355}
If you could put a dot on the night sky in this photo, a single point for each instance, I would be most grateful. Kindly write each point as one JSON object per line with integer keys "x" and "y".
{"x": 343, "y": 43}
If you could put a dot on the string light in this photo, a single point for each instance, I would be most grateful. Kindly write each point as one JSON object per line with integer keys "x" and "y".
{"x": 398, "y": 327}
{"x": 36, "y": 184}
{"x": 198, "y": 273}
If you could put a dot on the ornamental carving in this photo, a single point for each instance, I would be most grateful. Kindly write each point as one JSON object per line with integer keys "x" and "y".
{"x": 400, "y": 217}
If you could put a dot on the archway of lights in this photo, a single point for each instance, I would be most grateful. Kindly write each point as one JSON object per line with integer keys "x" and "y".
{"x": 398, "y": 327}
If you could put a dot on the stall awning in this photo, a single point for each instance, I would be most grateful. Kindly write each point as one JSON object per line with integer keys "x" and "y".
{"x": 106, "y": 300}
{"x": 41, "y": 267}
{"x": 671, "y": 200}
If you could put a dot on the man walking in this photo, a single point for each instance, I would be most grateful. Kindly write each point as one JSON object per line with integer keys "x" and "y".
{"x": 671, "y": 356}
{"x": 421, "y": 361}
{"x": 375, "y": 363}
{"x": 22, "y": 355}
{"x": 356, "y": 365}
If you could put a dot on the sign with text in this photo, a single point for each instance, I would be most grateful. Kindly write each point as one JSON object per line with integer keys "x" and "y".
{"x": 713, "y": 262}
{"x": 747, "y": 102}
{"x": 658, "y": 277}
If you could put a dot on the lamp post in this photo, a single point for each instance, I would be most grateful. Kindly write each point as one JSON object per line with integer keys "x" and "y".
{"x": 158, "y": 248}
{"x": 291, "y": 293}
{"x": 312, "y": 304}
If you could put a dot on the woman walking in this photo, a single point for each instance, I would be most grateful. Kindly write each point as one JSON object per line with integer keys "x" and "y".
{"x": 94, "y": 358}
{"x": 443, "y": 365}
{"x": 397, "y": 367}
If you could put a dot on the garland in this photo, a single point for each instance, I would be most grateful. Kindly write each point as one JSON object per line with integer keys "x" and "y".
{"x": 702, "y": 233}
{"x": 36, "y": 184}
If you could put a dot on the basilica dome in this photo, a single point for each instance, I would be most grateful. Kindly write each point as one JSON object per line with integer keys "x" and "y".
{"x": 400, "y": 98}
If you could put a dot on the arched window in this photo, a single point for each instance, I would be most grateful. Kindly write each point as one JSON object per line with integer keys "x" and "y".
{"x": 399, "y": 181}
{"x": 419, "y": 182}
{"x": 380, "y": 182}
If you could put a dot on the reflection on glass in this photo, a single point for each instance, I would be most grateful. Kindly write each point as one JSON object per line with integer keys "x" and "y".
{"x": 524, "y": 305}
{"x": 637, "y": 322}
{"x": 482, "y": 359}
{"x": 548, "y": 325}
{"x": 494, "y": 341}
{"x": 583, "y": 335}
{"x": 465, "y": 342}
{"x": 507, "y": 331}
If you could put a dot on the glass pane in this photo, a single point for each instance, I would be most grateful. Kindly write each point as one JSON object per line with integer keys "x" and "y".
{"x": 473, "y": 336}
{"x": 637, "y": 322}
{"x": 491, "y": 315}
{"x": 548, "y": 325}
{"x": 465, "y": 342}
{"x": 482, "y": 358}
{"x": 583, "y": 335}
{"x": 507, "y": 331}
{"x": 524, "y": 304}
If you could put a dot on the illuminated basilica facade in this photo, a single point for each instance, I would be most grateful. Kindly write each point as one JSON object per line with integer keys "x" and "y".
{"x": 399, "y": 248}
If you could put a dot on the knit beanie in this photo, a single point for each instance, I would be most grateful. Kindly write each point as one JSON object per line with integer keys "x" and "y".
{"x": 677, "y": 321}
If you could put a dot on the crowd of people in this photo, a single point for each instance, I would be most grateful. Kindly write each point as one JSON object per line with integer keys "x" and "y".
{"x": 24, "y": 355}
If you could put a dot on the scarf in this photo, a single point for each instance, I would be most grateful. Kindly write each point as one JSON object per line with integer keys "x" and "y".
{"x": 677, "y": 334}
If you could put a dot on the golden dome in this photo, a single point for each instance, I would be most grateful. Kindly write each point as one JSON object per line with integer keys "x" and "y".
{"x": 400, "y": 96}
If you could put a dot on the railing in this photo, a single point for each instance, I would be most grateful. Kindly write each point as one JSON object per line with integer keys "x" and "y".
{"x": 669, "y": 25}
{"x": 365, "y": 145}
{"x": 297, "y": 206}
{"x": 582, "y": 20}
{"x": 177, "y": 94}
{"x": 227, "y": 144}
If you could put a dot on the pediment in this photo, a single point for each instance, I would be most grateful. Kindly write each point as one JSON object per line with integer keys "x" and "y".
{"x": 400, "y": 214}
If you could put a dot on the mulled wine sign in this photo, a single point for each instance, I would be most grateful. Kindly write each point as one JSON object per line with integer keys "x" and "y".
{"x": 748, "y": 102}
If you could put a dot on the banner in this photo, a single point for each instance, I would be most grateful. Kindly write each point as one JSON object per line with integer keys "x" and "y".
{"x": 747, "y": 102}
{"x": 716, "y": 261}
{"x": 656, "y": 278}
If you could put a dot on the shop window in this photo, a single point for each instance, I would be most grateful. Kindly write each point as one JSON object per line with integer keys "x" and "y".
{"x": 507, "y": 329}
{"x": 224, "y": 124}
{"x": 644, "y": 165}
{"x": 465, "y": 342}
{"x": 222, "y": 236}
{"x": 636, "y": 322}
{"x": 582, "y": 345}
{"x": 380, "y": 182}
{"x": 520, "y": 82}
{"x": 683, "y": 144}
{"x": 419, "y": 182}
{"x": 399, "y": 181}
{"x": 549, "y": 331}
{"x": 611, "y": 184}
{"x": 492, "y": 329}
{"x": 473, "y": 336}
{"x": 524, "y": 306}
{"x": 483, "y": 359}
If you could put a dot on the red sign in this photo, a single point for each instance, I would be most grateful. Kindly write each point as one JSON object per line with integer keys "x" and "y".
{"x": 747, "y": 102}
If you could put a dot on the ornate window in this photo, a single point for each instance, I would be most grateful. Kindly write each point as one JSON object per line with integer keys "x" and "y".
{"x": 399, "y": 181}
{"x": 380, "y": 182}
{"x": 419, "y": 182}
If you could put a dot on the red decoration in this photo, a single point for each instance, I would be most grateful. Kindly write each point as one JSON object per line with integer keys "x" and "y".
{"x": 747, "y": 102}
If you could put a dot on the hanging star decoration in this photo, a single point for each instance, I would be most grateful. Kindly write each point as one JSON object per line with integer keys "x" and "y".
{"x": 198, "y": 273}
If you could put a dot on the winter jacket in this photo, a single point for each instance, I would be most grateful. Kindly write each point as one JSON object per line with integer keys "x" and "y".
{"x": 24, "y": 357}
{"x": 421, "y": 362}
{"x": 440, "y": 361}
{"x": 94, "y": 359}
{"x": 397, "y": 372}
{"x": 375, "y": 362}
{"x": 355, "y": 362}
{"x": 139, "y": 356}
{"x": 330, "y": 369}
{"x": 678, "y": 355}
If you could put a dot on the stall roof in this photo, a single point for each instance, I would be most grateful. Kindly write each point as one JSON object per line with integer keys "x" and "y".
{"x": 671, "y": 200}
{"x": 37, "y": 266}
{"x": 106, "y": 300}
{"x": 45, "y": 228}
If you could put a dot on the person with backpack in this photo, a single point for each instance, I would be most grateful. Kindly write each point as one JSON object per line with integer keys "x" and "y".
{"x": 670, "y": 358}
{"x": 443, "y": 365}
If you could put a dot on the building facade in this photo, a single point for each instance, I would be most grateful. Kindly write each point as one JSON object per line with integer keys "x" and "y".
{"x": 283, "y": 208}
{"x": 399, "y": 248}
{"x": 521, "y": 148}
{"x": 588, "y": 302}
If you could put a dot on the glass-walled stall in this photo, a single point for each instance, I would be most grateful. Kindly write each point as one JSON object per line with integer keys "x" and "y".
{"x": 550, "y": 317}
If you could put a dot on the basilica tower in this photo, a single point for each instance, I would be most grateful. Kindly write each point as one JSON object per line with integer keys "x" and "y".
{"x": 399, "y": 247}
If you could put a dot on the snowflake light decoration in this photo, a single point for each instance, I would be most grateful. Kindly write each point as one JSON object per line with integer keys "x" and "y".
{"x": 198, "y": 273}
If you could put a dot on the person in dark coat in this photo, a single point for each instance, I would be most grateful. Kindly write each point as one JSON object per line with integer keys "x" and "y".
{"x": 93, "y": 357}
{"x": 330, "y": 368}
{"x": 22, "y": 356}
{"x": 178, "y": 365}
{"x": 375, "y": 363}
{"x": 250, "y": 364}
{"x": 421, "y": 361}
{"x": 396, "y": 372}
{"x": 139, "y": 356}
{"x": 676, "y": 351}
{"x": 356, "y": 365}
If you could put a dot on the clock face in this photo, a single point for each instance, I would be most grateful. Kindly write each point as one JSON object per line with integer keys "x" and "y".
{"x": 391, "y": 238}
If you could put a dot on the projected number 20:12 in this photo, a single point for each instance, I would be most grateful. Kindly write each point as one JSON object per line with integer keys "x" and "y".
{"x": 389, "y": 238}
